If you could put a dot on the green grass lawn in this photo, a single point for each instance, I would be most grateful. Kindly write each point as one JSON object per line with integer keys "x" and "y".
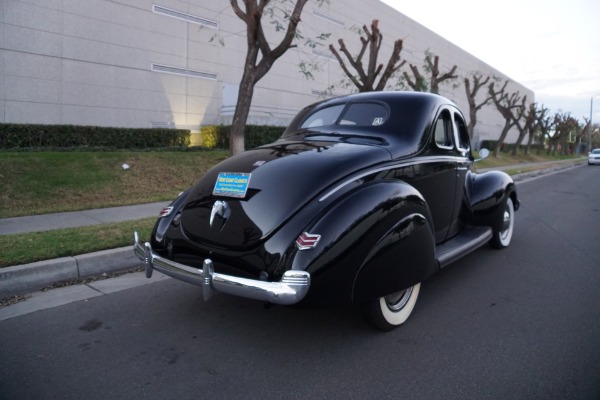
{"x": 26, "y": 248}
{"x": 46, "y": 182}
{"x": 507, "y": 159}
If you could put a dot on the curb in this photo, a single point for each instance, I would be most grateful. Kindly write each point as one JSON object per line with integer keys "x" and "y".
{"x": 26, "y": 278}
{"x": 526, "y": 176}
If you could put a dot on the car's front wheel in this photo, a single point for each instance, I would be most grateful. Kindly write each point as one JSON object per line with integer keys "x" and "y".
{"x": 388, "y": 312}
{"x": 501, "y": 237}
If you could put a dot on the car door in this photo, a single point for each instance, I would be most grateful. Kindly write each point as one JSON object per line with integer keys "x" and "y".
{"x": 462, "y": 154}
{"x": 435, "y": 175}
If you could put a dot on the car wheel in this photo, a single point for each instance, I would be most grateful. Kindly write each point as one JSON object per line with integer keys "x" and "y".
{"x": 503, "y": 236}
{"x": 391, "y": 311}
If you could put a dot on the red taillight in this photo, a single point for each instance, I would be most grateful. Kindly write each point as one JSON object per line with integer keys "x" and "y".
{"x": 307, "y": 241}
{"x": 165, "y": 211}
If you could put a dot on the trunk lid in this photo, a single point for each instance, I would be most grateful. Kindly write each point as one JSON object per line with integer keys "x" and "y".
{"x": 283, "y": 177}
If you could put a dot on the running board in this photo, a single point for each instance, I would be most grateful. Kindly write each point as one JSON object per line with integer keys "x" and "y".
{"x": 457, "y": 247}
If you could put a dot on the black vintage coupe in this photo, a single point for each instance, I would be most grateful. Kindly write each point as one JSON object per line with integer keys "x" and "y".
{"x": 361, "y": 199}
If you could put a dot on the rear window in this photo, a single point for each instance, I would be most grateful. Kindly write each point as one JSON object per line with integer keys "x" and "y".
{"x": 355, "y": 114}
{"x": 323, "y": 117}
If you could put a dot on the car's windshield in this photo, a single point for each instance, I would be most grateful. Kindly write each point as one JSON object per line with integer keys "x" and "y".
{"x": 596, "y": 151}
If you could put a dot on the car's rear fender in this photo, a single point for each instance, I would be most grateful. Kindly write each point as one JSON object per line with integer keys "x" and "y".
{"x": 403, "y": 257}
{"x": 359, "y": 234}
{"x": 166, "y": 217}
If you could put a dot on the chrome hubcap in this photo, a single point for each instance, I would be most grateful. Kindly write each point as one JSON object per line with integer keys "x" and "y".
{"x": 397, "y": 301}
{"x": 505, "y": 223}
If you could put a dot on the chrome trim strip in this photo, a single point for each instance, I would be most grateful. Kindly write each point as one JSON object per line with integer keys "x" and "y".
{"x": 292, "y": 287}
{"x": 423, "y": 160}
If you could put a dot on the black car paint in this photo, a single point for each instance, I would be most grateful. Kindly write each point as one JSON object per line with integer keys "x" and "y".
{"x": 381, "y": 198}
{"x": 280, "y": 186}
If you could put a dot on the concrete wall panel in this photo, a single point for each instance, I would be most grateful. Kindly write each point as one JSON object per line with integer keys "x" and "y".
{"x": 32, "y": 113}
{"x": 89, "y": 62}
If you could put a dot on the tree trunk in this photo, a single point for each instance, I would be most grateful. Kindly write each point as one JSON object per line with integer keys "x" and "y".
{"x": 472, "y": 121}
{"x": 529, "y": 143}
{"x": 518, "y": 143}
{"x": 478, "y": 82}
{"x": 500, "y": 141}
{"x": 541, "y": 145}
{"x": 240, "y": 116}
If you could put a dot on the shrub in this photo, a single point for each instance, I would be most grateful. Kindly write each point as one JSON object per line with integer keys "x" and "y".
{"x": 33, "y": 136}
{"x": 259, "y": 135}
{"x": 212, "y": 137}
{"x": 16, "y": 136}
{"x": 255, "y": 136}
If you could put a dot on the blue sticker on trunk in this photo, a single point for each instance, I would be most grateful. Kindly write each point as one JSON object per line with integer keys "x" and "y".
{"x": 232, "y": 184}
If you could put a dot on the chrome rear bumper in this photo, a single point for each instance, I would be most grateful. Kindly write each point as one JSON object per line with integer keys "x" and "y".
{"x": 292, "y": 287}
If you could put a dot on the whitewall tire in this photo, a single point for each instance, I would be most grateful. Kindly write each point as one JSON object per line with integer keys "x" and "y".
{"x": 391, "y": 311}
{"x": 503, "y": 236}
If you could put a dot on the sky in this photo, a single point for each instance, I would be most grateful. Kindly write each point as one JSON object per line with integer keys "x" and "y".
{"x": 550, "y": 46}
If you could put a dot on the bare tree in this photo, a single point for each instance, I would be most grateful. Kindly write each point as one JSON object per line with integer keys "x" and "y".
{"x": 585, "y": 128}
{"x": 478, "y": 81}
{"x": 506, "y": 105}
{"x": 260, "y": 57}
{"x": 564, "y": 126}
{"x": 537, "y": 128}
{"x": 365, "y": 81}
{"x": 420, "y": 83}
{"x": 546, "y": 126}
{"x": 527, "y": 115}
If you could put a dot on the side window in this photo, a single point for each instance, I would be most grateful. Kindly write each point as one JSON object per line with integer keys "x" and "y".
{"x": 461, "y": 130}
{"x": 443, "y": 130}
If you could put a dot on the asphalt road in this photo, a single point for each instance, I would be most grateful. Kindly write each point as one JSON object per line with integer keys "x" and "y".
{"x": 520, "y": 323}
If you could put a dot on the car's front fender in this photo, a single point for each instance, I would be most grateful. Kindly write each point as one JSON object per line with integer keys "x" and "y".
{"x": 487, "y": 193}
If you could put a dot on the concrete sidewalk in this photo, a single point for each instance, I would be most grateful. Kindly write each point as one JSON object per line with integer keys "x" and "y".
{"x": 46, "y": 222}
{"x": 27, "y": 278}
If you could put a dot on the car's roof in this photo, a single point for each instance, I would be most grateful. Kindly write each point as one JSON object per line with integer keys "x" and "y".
{"x": 388, "y": 96}
{"x": 404, "y": 131}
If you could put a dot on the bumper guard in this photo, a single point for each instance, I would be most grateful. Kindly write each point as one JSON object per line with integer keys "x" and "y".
{"x": 292, "y": 287}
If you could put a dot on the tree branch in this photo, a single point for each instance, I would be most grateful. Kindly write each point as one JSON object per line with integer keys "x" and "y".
{"x": 392, "y": 65}
{"x": 343, "y": 65}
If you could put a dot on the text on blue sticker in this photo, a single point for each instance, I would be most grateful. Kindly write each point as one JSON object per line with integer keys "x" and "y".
{"x": 232, "y": 184}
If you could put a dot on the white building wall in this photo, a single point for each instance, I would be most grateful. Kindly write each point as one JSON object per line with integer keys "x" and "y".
{"x": 121, "y": 63}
